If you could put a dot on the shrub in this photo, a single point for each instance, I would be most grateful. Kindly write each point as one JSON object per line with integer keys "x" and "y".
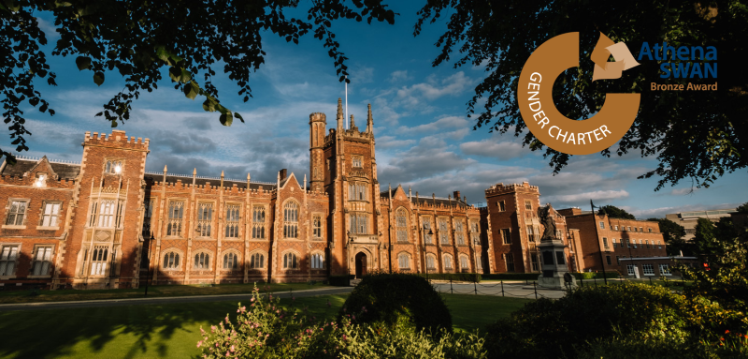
{"x": 628, "y": 348}
{"x": 551, "y": 329}
{"x": 399, "y": 299}
{"x": 265, "y": 330}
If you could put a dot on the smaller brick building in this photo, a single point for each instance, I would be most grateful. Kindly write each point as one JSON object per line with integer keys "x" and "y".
{"x": 617, "y": 238}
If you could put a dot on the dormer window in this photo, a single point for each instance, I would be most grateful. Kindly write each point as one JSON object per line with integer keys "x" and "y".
{"x": 41, "y": 181}
{"x": 113, "y": 167}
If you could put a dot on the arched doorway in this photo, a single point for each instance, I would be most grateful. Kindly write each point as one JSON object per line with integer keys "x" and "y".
{"x": 360, "y": 264}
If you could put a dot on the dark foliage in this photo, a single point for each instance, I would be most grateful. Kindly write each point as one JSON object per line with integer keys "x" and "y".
{"x": 398, "y": 299}
{"x": 140, "y": 39}
{"x": 615, "y": 212}
{"x": 457, "y": 277}
{"x": 697, "y": 135}
{"x": 556, "y": 328}
{"x": 340, "y": 280}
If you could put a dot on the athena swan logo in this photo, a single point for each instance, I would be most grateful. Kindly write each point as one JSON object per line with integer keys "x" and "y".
{"x": 557, "y": 131}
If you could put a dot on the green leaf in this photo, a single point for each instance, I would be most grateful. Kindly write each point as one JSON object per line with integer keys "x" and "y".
{"x": 226, "y": 119}
{"x": 191, "y": 90}
{"x": 237, "y": 115}
{"x": 175, "y": 74}
{"x": 83, "y": 62}
{"x": 186, "y": 76}
{"x": 162, "y": 53}
{"x": 98, "y": 78}
{"x": 34, "y": 101}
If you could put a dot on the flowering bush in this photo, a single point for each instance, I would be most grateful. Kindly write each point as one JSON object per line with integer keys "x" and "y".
{"x": 263, "y": 329}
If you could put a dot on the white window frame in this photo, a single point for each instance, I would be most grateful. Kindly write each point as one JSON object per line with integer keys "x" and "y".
{"x": 99, "y": 260}
{"x": 230, "y": 261}
{"x": 258, "y": 222}
{"x": 13, "y": 210}
{"x": 110, "y": 165}
{"x": 233, "y": 218}
{"x": 506, "y": 235}
{"x": 50, "y": 215}
{"x": 257, "y": 260}
{"x": 204, "y": 219}
{"x": 318, "y": 261}
{"x": 630, "y": 269}
{"x": 9, "y": 259}
{"x": 201, "y": 261}
{"x": 665, "y": 270}
{"x": 448, "y": 265}
{"x": 41, "y": 263}
{"x": 403, "y": 261}
{"x": 648, "y": 270}
{"x": 357, "y": 161}
{"x": 291, "y": 261}
{"x": 291, "y": 219}
{"x": 171, "y": 260}
{"x": 317, "y": 226}
{"x": 175, "y": 218}
{"x": 464, "y": 262}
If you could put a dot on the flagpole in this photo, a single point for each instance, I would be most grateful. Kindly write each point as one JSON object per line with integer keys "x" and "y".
{"x": 347, "y": 120}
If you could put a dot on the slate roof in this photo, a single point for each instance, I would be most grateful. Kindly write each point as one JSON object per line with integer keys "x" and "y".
{"x": 172, "y": 178}
{"x": 427, "y": 200}
{"x": 64, "y": 170}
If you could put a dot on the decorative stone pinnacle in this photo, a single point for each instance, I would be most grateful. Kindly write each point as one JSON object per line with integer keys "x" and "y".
{"x": 194, "y": 171}
{"x": 221, "y": 174}
{"x": 164, "y": 168}
{"x": 340, "y": 107}
{"x": 353, "y": 122}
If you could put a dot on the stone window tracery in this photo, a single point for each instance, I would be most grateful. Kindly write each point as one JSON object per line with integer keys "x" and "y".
{"x": 318, "y": 261}
{"x": 171, "y": 260}
{"x": 257, "y": 261}
{"x": 230, "y": 261}
{"x": 291, "y": 220}
{"x": 232, "y": 221}
{"x": 202, "y": 261}
{"x": 174, "y": 224}
{"x": 204, "y": 219}
{"x": 258, "y": 222}
{"x": 401, "y": 225}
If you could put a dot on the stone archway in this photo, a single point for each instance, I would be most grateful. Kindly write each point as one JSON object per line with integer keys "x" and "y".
{"x": 361, "y": 264}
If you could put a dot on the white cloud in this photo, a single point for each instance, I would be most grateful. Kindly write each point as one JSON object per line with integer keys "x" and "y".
{"x": 438, "y": 125}
{"x": 683, "y": 191}
{"x": 398, "y": 76}
{"x": 660, "y": 212}
{"x": 392, "y": 142}
{"x": 586, "y": 196}
{"x": 361, "y": 75}
{"x": 503, "y": 150}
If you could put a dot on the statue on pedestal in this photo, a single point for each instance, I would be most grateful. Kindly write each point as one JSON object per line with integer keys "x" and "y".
{"x": 555, "y": 271}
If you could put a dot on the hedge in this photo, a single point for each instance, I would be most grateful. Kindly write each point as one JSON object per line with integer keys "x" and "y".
{"x": 457, "y": 277}
{"x": 341, "y": 280}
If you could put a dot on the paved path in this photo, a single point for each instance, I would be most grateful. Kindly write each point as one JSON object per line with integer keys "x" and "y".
{"x": 166, "y": 300}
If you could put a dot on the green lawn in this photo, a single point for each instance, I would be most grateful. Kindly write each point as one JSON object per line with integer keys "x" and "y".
{"x": 158, "y": 331}
{"x": 26, "y": 296}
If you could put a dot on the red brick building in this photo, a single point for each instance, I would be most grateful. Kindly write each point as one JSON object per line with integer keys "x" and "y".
{"x": 618, "y": 238}
{"x": 514, "y": 229}
{"x": 107, "y": 223}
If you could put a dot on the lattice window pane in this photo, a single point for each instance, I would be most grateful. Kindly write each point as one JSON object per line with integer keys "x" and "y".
{"x": 204, "y": 219}
{"x": 8, "y": 257}
{"x": 427, "y": 230}
{"x": 291, "y": 218}
{"x": 317, "y": 226}
{"x": 202, "y": 261}
{"x": 176, "y": 212}
{"x": 99, "y": 260}
{"x": 232, "y": 221}
{"x": 42, "y": 261}
{"x": 51, "y": 212}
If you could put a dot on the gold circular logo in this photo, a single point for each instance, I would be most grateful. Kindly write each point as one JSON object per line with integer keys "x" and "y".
{"x": 558, "y": 131}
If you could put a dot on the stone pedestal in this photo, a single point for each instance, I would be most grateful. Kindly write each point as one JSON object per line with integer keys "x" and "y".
{"x": 555, "y": 272}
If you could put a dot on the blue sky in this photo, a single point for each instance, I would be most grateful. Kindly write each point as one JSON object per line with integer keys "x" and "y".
{"x": 424, "y": 138}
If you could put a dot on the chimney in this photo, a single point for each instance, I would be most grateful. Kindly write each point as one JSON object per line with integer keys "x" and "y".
{"x": 283, "y": 174}
{"x": 457, "y": 195}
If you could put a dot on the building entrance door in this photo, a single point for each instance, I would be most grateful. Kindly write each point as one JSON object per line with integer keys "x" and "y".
{"x": 360, "y": 264}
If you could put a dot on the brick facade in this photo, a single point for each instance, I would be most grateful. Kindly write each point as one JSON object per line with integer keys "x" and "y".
{"x": 107, "y": 223}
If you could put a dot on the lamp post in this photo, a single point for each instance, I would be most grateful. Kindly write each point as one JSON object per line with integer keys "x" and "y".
{"x": 602, "y": 260}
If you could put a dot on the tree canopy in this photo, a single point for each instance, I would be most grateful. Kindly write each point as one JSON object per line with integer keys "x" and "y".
{"x": 615, "y": 212}
{"x": 673, "y": 234}
{"x": 140, "y": 39}
{"x": 697, "y": 135}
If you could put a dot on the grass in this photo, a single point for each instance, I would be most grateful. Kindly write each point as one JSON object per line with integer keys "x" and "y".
{"x": 172, "y": 330}
{"x": 26, "y": 296}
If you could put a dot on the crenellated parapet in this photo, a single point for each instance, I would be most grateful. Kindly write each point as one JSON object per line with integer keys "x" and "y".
{"x": 501, "y": 188}
{"x": 117, "y": 139}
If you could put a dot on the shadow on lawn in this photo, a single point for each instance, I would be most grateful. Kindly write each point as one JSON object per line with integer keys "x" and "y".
{"x": 170, "y": 330}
